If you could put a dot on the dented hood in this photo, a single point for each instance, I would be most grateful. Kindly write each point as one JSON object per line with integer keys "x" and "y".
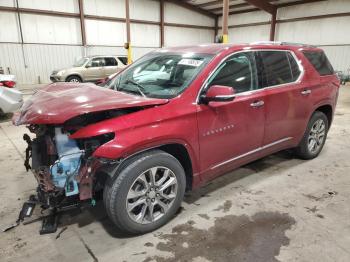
{"x": 57, "y": 103}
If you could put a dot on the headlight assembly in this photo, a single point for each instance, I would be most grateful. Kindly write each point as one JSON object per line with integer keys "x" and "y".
{"x": 60, "y": 73}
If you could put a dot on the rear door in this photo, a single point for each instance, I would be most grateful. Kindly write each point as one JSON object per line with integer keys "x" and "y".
{"x": 111, "y": 66}
{"x": 95, "y": 69}
{"x": 231, "y": 131}
{"x": 287, "y": 101}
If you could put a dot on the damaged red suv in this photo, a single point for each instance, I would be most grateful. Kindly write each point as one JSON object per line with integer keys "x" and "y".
{"x": 173, "y": 120}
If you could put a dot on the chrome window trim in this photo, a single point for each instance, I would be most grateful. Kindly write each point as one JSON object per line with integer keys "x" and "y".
{"x": 252, "y": 152}
{"x": 298, "y": 61}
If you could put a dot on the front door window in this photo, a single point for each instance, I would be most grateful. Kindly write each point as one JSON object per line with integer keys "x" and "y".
{"x": 237, "y": 72}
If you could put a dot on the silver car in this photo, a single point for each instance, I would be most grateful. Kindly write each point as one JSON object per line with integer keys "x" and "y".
{"x": 90, "y": 68}
{"x": 11, "y": 99}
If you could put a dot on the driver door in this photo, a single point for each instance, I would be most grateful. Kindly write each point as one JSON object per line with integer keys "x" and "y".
{"x": 230, "y": 132}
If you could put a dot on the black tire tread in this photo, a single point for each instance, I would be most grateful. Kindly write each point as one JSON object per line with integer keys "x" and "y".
{"x": 115, "y": 184}
{"x": 73, "y": 76}
{"x": 302, "y": 150}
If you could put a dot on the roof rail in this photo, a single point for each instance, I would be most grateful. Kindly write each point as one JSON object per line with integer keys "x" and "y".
{"x": 297, "y": 44}
{"x": 266, "y": 43}
{"x": 280, "y": 43}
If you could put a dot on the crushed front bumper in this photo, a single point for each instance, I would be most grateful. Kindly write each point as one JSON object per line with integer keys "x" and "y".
{"x": 56, "y": 78}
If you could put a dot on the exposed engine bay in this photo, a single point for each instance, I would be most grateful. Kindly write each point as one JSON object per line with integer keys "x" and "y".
{"x": 63, "y": 167}
{"x": 68, "y": 173}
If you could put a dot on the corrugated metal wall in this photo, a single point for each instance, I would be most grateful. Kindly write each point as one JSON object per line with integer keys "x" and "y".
{"x": 331, "y": 34}
{"x": 248, "y": 34}
{"x": 56, "y": 41}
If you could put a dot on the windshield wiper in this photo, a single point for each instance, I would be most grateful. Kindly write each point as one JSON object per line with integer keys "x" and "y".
{"x": 139, "y": 87}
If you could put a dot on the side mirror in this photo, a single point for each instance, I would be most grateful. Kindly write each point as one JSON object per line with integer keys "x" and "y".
{"x": 217, "y": 93}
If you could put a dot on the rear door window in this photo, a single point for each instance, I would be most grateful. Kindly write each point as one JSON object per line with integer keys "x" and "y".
{"x": 111, "y": 61}
{"x": 277, "y": 68}
{"x": 97, "y": 62}
{"x": 320, "y": 62}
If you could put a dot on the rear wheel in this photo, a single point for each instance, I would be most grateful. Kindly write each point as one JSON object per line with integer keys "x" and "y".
{"x": 146, "y": 193}
{"x": 74, "y": 79}
{"x": 315, "y": 136}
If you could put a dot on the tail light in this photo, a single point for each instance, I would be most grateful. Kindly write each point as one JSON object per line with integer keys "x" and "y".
{"x": 9, "y": 84}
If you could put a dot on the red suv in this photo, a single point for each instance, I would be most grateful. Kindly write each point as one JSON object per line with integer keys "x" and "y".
{"x": 172, "y": 121}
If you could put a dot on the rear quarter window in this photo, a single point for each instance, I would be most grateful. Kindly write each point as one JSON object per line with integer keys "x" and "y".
{"x": 320, "y": 62}
{"x": 123, "y": 59}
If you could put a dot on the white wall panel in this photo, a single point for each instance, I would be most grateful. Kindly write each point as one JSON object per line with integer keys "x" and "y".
{"x": 105, "y": 32}
{"x": 145, "y": 10}
{"x": 70, "y": 6}
{"x": 112, "y": 8}
{"x": 11, "y": 57}
{"x": 249, "y": 34}
{"x": 339, "y": 56}
{"x": 145, "y": 35}
{"x": 112, "y": 50}
{"x": 50, "y": 29}
{"x": 139, "y": 52}
{"x": 317, "y": 32}
{"x": 40, "y": 60}
{"x": 175, "y": 36}
{"x": 247, "y": 18}
{"x": 10, "y": 32}
{"x": 177, "y": 14}
{"x": 106, "y": 50}
{"x": 10, "y": 3}
{"x": 312, "y": 9}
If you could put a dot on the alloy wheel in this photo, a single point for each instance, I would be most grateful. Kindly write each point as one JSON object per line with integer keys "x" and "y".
{"x": 151, "y": 195}
{"x": 316, "y": 136}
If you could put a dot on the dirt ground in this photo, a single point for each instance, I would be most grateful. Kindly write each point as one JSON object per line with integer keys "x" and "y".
{"x": 276, "y": 209}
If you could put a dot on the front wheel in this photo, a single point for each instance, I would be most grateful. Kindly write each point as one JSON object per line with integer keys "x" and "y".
{"x": 74, "y": 79}
{"x": 146, "y": 193}
{"x": 314, "y": 138}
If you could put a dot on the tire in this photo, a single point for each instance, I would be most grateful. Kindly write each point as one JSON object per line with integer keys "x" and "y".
{"x": 305, "y": 149}
{"x": 133, "y": 179}
{"x": 74, "y": 79}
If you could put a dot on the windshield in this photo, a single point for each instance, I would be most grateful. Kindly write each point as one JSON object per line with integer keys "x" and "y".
{"x": 80, "y": 62}
{"x": 160, "y": 75}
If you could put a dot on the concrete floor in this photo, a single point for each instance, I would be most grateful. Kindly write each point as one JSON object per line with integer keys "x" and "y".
{"x": 275, "y": 209}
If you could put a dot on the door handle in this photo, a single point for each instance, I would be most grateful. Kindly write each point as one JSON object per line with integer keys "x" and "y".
{"x": 306, "y": 92}
{"x": 257, "y": 104}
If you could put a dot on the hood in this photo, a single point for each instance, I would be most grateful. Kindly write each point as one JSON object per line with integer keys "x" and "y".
{"x": 57, "y": 103}
{"x": 65, "y": 69}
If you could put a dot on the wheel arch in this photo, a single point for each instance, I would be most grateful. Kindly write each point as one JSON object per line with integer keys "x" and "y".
{"x": 327, "y": 109}
{"x": 74, "y": 74}
{"x": 177, "y": 150}
{"x": 180, "y": 152}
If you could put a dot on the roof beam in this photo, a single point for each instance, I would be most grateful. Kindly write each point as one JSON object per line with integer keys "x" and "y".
{"x": 263, "y": 5}
{"x": 192, "y": 7}
{"x": 300, "y": 2}
{"x": 216, "y": 9}
{"x": 243, "y": 11}
{"x": 218, "y": 2}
